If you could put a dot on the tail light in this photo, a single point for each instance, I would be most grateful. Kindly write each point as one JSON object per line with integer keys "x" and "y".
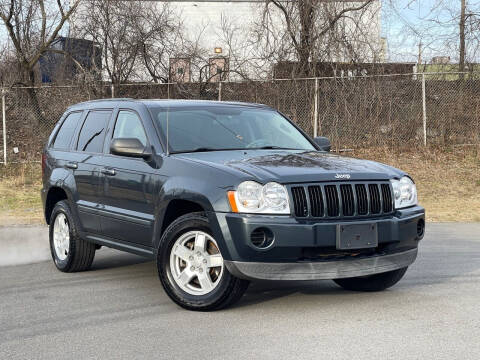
{"x": 44, "y": 163}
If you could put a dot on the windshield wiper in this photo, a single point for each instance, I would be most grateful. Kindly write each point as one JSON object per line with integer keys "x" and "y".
{"x": 207, "y": 149}
{"x": 199, "y": 149}
{"x": 272, "y": 147}
{"x": 203, "y": 149}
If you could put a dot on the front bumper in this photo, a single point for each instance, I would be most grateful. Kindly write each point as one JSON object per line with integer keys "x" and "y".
{"x": 306, "y": 250}
{"x": 322, "y": 270}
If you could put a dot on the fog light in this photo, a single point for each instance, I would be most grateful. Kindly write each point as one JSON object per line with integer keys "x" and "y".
{"x": 420, "y": 228}
{"x": 262, "y": 238}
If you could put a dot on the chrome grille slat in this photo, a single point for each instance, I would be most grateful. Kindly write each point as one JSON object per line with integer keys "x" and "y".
{"x": 342, "y": 199}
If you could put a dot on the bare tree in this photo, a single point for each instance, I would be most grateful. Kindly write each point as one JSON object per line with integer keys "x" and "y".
{"x": 160, "y": 37}
{"x": 32, "y": 26}
{"x": 136, "y": 37}
{"x": 447, "y": 28}
{"x": 309, "y": 30}
{"x": 8, "y": 66}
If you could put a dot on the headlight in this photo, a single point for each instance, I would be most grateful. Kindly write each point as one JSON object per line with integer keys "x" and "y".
{"x": 404, "y": 192}
{"x": 252, "y": 197}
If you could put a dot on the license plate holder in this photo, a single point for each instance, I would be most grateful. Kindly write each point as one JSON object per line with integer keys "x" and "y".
{"x": 357, "y": 236}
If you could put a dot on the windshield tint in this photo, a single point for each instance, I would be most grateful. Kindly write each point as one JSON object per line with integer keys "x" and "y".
{"x": 208, "y": 128}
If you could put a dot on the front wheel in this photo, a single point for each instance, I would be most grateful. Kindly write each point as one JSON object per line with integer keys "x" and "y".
{"x": 191, "y": 268}
{"x": 377, "y": 282}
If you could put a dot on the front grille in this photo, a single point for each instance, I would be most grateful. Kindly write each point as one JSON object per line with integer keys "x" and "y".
{"x": 317, "y": 208}
{"x": 333, "y": 205}
{"x": 342, "y": 199}
{"x": 387, "y": 198}
{"x": 375, "y": 205}
{"x": 299, "y": 201}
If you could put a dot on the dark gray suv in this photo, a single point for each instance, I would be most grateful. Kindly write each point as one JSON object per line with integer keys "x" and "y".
{"x": 219, "y": 194}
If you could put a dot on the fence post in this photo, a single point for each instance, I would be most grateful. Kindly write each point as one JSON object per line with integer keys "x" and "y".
{"x": 168, "y": 89}
{"x": 219, "y": 91}
{"x": 315, "y": 111}
{"x": 112, "y": 87}
{"x": 4, "y": 125}
{"x": 424, "y": 103}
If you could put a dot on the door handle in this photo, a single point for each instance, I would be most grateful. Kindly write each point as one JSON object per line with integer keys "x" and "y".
{"x": 109, "y": 172}
{"x": 71, "y": 165}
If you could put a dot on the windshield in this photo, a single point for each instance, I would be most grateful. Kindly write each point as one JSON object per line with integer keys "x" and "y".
{"x": 210, "y": 128}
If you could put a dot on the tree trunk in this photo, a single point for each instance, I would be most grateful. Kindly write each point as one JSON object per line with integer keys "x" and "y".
{"x": 306, "y": 12}
{"x": 32, "y": 93}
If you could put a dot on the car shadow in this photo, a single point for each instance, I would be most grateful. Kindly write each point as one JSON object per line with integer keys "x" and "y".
{"x": 264, "y": 291}
{"x": 109, "y": 258}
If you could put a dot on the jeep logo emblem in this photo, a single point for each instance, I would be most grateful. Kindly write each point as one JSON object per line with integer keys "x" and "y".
{"x": 342, "y": 176}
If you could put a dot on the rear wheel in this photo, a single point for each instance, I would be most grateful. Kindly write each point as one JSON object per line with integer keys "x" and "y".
{"x": 377, "y": 282}
{"x": 191, "y": 267}
{"x": 69, "y": 252}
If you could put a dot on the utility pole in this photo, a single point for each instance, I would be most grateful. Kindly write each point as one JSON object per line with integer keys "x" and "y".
{"x": 419, "y": 61}
{"x": 461, "y": 62}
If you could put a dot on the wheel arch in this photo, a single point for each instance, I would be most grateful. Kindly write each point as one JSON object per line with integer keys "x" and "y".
{"x": 54, "y": 195}
{"x": 175, "y": 204}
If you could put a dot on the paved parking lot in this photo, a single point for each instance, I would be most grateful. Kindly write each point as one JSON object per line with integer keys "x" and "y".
{"x": 119, "y": 310}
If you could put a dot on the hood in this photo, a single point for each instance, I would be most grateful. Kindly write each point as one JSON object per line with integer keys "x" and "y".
{"x": 287, "y": 166}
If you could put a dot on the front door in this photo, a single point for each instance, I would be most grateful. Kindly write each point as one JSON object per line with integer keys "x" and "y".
{"x": 129, "y": 188}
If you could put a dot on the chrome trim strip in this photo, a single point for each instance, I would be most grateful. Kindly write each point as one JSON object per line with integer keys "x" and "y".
{"x": 322, "y": 270}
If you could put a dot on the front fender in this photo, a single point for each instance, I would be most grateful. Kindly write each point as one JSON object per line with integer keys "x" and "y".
{"x": 190, "y": 189}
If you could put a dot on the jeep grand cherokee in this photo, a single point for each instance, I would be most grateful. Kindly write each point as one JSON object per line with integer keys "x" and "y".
{"x": 219, "y": 194}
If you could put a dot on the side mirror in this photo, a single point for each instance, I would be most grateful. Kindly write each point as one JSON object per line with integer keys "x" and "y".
{"x": 323, "y": 143}
{"x": 129, "y": 147}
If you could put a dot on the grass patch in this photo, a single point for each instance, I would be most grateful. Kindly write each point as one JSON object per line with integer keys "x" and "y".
{"x": 447, "y": 179}
{"x": 448, "y": 182}
{"x": 20, "y": 201}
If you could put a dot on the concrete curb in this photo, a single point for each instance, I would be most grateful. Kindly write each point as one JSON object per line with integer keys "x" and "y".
{"x": 23, "y": 245}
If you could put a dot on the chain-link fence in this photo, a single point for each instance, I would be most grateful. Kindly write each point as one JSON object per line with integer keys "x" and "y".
{"x": 354, "y": 112}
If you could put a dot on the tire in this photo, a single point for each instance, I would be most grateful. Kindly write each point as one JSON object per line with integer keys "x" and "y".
{"x": 377, "y": 282}
{"x": 191, "y": 237}
{"x": 69, "y": 253}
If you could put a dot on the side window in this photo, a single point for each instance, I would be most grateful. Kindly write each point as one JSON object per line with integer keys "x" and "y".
{"x": 65, "y": 134}
{"x": 92, "y": 134}
{"x": 129, "y": 125}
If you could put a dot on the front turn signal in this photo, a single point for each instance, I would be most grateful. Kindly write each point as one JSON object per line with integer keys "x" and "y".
{"x": 231, "y": 200}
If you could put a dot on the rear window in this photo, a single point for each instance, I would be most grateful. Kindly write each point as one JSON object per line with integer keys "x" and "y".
{"x": 92, "y": 135}
{"x": 65, "y": 134}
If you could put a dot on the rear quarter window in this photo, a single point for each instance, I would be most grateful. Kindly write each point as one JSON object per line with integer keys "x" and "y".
{"x": 65, "y": 134}
{"x": 92, "y": 134}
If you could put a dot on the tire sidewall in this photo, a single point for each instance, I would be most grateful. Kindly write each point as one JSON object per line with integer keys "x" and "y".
{"x": 62, "y": 208}
{"x": 173, "y": 232}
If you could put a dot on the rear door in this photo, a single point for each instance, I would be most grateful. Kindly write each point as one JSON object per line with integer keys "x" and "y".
{"x": 129, "y": 186}
{"x": 85, "y": 162}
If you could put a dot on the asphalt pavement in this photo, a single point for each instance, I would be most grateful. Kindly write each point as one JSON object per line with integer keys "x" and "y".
{"x": 118, "y": 310}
